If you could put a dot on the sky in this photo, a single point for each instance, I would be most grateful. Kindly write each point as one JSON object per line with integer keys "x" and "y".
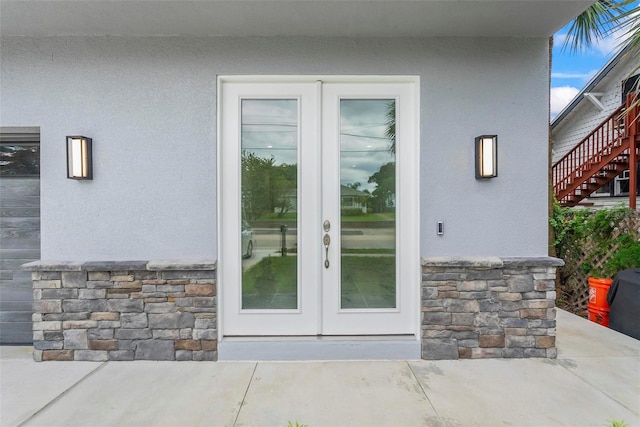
{"x": 571, "y": 71}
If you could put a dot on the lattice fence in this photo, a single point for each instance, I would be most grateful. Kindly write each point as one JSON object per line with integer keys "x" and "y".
{"x": 572, "y": 280}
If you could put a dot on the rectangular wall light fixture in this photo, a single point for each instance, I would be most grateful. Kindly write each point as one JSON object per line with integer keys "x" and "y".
{"x": 486, "y": 156}
{"x": 79, "y": 158}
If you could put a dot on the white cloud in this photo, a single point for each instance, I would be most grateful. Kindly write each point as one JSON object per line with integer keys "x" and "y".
{"x": 560, "y": 97}
{"x": 617, "y": 38}
{"x": 558, "y": 40}
{"x": 583, "y": 76}
{"x": 612, "y": 43}
{"x": 568, "y": 75}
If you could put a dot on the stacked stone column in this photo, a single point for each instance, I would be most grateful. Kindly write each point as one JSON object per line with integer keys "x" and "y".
{"x": 488, "y": 307}
{"x": 98, "y": 311}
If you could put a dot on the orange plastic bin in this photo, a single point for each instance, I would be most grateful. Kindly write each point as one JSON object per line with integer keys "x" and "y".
{"x": 597, "y": 306}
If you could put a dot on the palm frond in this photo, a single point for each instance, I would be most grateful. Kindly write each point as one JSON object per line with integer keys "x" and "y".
{"x": 600, "y": 20}
{"x": 628, "y": 24}
{"x": 595, "y": 23}
{"x": 390, "y": 131}
{"x": 629, "y": 21}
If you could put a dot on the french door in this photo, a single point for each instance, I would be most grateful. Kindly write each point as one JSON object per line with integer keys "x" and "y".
{"x": 318, "y": 206}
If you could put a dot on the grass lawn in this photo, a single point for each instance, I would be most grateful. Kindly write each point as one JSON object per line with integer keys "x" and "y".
{"x": 367, "y": 282}
{"x": 271, "y": 283}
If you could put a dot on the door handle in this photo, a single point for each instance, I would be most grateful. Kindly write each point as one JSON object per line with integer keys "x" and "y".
{"x": 326, "y": 240}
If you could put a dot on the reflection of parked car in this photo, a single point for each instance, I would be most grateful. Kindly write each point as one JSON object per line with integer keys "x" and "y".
{"x": 247, "y": 240}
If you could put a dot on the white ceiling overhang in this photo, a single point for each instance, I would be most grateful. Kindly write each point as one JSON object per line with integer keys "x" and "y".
{"x": 348, "y": 18}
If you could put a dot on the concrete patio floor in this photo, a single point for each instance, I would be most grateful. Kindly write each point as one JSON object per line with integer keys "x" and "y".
{"x": 595, "y": 379}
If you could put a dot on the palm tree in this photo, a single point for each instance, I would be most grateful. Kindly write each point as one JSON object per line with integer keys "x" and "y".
{"x": 602, "y": 19}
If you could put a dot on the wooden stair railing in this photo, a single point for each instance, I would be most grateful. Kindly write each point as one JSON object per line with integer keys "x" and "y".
{"x": 601, "y": 156}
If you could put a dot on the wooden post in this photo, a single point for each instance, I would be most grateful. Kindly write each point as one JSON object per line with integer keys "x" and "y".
{"x": 632, "y": 121}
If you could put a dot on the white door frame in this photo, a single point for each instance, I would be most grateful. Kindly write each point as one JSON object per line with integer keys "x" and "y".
{"x": 408, "y": 260}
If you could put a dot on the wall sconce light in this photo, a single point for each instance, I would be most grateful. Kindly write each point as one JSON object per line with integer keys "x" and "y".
{"x": 79, "y": 158}
{"x": 486, "y": 156}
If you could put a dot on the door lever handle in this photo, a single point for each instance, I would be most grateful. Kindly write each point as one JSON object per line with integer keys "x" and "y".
{"x": 326, "y": 240}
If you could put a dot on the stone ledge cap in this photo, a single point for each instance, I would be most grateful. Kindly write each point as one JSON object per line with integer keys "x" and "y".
{"x": 469, "y": 262}
{"x": 114, "y": 265}
{"x": 543, "y": 261}
{"x": 53, "y": 266}
{"x": 182, "y": 264}
{"x": 155, "y": 265}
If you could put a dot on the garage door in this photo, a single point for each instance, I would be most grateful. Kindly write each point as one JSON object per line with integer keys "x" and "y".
{"x": 19, "y": 229}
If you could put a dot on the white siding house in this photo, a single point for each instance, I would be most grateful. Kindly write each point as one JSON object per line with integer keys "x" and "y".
{"x": 600, "y": 97}
{"x": 321, "y": 94}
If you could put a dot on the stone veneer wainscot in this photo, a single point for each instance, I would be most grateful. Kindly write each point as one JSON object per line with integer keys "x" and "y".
{"x": 167, "y": 310}
{"x": 124, "y": 310}
{"x": 488, "y": 307}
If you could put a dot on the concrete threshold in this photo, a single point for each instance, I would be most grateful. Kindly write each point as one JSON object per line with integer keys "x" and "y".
{"x": 394, "y": 347}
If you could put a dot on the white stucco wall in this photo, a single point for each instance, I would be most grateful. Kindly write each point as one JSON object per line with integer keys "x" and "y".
{"x": 150, "y": 106}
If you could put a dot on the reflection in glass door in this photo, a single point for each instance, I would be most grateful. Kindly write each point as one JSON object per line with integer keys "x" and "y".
{"x": 269, "y": 175}
{"x": 368, "y": 203}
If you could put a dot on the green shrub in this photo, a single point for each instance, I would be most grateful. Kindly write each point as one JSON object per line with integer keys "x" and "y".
{"x": 592, "y": 243}
{"x": 597, "y": 234}
{"x": 570, "y": 226}
{"x": 627, "y": 256}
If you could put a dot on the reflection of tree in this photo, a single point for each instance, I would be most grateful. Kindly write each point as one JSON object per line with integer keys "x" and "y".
{"x": 384, "y": 195}
{"x": 390, "y": 131}
{"x": 266, "y": 187}
{"x": 19, "y": 160}
{"x": 354, "y": 185}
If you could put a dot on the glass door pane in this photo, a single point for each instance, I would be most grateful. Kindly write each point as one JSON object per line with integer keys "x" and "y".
{"x": 269, "y": 208}
{"x": 368, "y": 203}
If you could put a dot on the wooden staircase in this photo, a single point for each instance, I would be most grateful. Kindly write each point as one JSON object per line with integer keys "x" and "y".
{"x": 607, "y": 151}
